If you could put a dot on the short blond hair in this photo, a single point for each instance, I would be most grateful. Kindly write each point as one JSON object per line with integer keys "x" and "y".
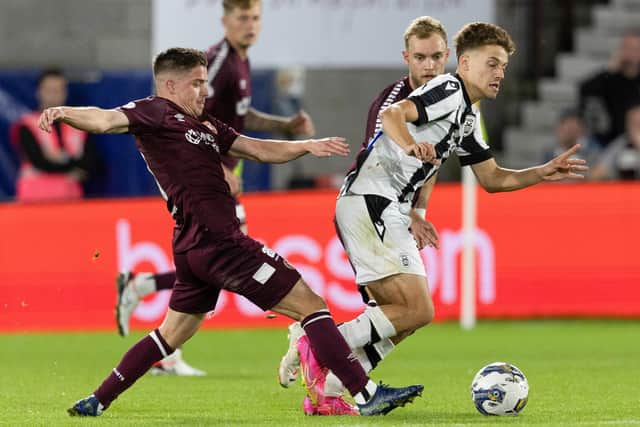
{"x": 478, "y": 34}
{"x": 229, "y": 5}
{"x": 423, "y": 27}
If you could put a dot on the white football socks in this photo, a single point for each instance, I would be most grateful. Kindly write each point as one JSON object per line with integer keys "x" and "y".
{"x": 362, "y": 330}
{"x": 370, "y": 389}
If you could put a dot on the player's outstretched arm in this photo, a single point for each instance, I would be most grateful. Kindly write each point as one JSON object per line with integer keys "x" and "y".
{"x": 278, "y": 151}
{"x": 89, "y": 119}
{"x": 394, "y": 123}
{"x": 494, "y": 178}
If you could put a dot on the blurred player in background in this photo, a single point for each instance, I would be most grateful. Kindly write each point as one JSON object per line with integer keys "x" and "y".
{"x": 182, "y": 146}
{"x": 373, "y": 209}
{"x": 229, "y": 76}
{"x": 426, "y": 55}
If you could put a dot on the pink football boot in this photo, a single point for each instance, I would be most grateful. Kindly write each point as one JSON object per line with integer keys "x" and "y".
{"x": 313, "y": 377}
{"x": 330, "y": 406}
{"x": 313, "y": 374}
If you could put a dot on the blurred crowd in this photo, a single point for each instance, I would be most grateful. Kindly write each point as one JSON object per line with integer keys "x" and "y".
{"x": 606, "y": 121}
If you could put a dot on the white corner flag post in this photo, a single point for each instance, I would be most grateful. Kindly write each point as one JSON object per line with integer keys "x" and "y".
{"x": 468, "y": 288}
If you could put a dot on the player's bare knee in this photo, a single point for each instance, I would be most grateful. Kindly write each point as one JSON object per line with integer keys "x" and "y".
{"x": 419, "y": 317}
{"x": 424, "y": 317}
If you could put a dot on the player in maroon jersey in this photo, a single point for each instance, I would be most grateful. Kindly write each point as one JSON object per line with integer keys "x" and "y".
{"x": 182, "y": 146}
{"x": 229, "y": 101}
{"x": 426, "y": 55}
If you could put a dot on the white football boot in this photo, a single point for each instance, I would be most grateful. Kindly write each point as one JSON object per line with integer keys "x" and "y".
{"x": 174, "y": 364}
{"x": 128, "y": 300}
{"x": 290, "y": 362}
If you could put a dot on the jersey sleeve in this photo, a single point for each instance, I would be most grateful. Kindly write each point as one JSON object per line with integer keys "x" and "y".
{"x": 225, "y": 136}
{"x": 434, "y": 102}
{"x": 145, "y": 115}
{"x": 473, "y": 148}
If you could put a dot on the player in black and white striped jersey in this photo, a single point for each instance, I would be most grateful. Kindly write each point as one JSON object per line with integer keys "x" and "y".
{"x": 426, "y": 55}
{"x": 418, "y": 134}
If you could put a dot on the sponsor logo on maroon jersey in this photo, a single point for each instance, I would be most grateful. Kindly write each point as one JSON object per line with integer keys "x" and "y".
{"x": 196, "y": 137}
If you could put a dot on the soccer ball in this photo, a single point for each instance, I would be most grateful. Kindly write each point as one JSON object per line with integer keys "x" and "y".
{"x": 499, "y": 389}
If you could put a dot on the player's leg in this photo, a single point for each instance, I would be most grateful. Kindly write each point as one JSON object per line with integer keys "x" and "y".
{"x": 248, "y": 268}
{"x": 324, "y": 347}
{"x": 402, "y": 300}
{"x": 190, "y": 300}
{"x": 131, "y": 289}
{"x": 406, "y": 301}
{"x": 375, "y": 235}
{"x": 176, "y": 329}
{"x": 403, "y": 305}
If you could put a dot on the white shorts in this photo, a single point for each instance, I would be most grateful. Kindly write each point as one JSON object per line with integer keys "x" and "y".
{"x": 377, "y": 238}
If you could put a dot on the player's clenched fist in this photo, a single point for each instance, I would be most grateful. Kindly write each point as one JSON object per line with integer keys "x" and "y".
{"x": 425, "y": 152}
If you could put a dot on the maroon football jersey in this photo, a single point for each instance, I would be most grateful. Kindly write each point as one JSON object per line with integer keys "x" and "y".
{"x": 184, "y": 155}
{"x": 229, "y": 88}
{"x": 395, "y": 92}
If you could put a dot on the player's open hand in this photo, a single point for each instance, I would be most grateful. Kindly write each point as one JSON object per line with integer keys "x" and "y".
{"x": 327, "y": 147}
{"x": 564, "y": 166}
{"x": 424, "y": 152}
{"x": 49, "y": 116}
{"x": 301, "y": 124}
{"x": 424, "y": 232}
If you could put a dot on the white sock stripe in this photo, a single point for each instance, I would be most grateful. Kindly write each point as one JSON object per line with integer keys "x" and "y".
{"x": 155, "y": 338}
{"x": 327, "y": 316}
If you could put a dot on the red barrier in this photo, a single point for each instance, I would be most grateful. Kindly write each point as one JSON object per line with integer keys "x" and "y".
{"x": 551, "y": 250}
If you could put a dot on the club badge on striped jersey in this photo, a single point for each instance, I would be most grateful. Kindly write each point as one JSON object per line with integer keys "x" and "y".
{"x": 468, "y": 125}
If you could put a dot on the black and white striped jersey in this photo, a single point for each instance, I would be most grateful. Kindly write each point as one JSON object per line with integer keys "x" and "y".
{"x": 446, "y": 118}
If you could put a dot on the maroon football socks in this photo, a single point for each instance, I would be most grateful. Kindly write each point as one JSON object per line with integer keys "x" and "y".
{"x": 133, "y": 365}
{"x": 332, "y": 350}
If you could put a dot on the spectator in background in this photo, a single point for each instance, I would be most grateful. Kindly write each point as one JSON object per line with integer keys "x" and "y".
{"x": 52, "y": 165}
{"x": 569, "y": 131}
{"x": 621, "y": 159}
{"x": 606, "y": 97}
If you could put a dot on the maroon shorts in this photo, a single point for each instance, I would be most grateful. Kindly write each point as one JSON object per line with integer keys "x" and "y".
{"x": 235, "y": 263}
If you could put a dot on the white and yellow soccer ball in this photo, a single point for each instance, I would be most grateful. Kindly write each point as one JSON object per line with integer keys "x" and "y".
{"x": 499, "y": 389}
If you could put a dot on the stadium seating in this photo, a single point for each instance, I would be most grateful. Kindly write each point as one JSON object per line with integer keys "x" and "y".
{"x": 525, "y": 143}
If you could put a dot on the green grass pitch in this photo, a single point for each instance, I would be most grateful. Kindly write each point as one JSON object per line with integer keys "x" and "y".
{"x": 581, "y": 373}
